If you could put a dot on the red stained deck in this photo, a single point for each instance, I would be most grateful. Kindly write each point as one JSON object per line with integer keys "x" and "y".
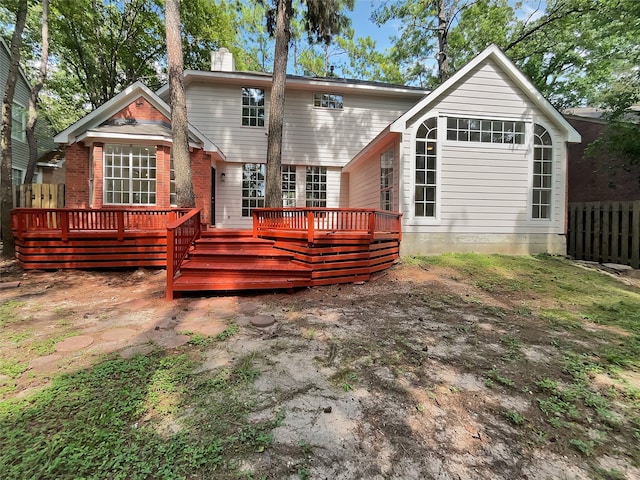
{"x": 287, "y": 248}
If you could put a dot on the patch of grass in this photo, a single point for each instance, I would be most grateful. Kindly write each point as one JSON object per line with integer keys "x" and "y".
{"x": 345, "y": 379}
{"x": 584, "y": 447}
{"x": 513, "y": 346}
{"x": 199, "y": 340}
{"x": 11, "y": 368}
{"x": 495, "y": 375}
{"x": 19, "y": 337}
{"x": 8, "y": 312}
{"x": 48, "y": 345}
{"x": 148, "y": 417}
{"x": 228, "y": 332}
{"x": 515, "y": 417}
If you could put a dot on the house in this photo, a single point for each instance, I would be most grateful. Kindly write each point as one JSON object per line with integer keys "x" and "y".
{"x": 45, "y": 170}
{"x": 478, "y": 164}
{"x": 598, "y": 177}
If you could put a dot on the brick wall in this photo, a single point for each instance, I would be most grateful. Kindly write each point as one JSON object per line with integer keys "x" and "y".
{"x": 79, "y": 157}
{"x": 77, "y": 176}
{"x": 601, "y": 177}
{"x": 201, "y": 174}
{"x": 141, "y": 109}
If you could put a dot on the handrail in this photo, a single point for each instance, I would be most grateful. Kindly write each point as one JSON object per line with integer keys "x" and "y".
{"x": 309, "y": 222}
{"x": 181, "y": 233}
{"x": 74, "y": 220}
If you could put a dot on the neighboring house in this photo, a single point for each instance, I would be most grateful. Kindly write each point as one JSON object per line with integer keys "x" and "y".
{"x": 20, "y": 150}
{"x": 479, "y": 164}
{"x": 598, "y": 177}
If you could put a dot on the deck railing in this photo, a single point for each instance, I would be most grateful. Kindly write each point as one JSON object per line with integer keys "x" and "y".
{"x": 181, "y": 233}
{"x": 74, "y": 220}
{"x": 311, "y": 222}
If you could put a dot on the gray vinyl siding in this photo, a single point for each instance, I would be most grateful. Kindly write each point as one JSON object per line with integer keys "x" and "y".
{"x": 485, "y": 188}
{"x": 20, "y": 153}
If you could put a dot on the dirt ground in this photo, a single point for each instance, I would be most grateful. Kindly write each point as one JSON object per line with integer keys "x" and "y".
{"x": 387, "y": 379}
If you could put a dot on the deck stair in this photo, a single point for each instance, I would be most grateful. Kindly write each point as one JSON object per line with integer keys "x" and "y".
{"x": 234, "y": 260}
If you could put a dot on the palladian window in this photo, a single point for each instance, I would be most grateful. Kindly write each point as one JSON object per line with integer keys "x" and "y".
{"x": 426, "y": 168}
{"x": 542, "y": 172}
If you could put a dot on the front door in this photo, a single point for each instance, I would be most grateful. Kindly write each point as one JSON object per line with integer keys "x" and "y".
{"x": 213, "y": 196}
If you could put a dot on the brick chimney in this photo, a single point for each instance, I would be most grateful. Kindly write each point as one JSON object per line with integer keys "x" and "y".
{"x": 222, "y": 61}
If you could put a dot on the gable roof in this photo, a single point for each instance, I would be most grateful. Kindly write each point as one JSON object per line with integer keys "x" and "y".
{"x": 262, "y": 79}
{"x": 508, "y": 67}
{"x": 93, "y": 120}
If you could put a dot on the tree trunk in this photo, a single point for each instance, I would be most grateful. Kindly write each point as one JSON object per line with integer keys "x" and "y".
{"x": 443, "y": 42}
{"x": 179, "y": 125}
{"x": 273, "y": 194}
{"x": 6, "y": 192}
{"x": 35, "y": 92}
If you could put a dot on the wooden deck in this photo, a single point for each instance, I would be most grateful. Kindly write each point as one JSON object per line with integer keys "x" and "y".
{"x": 287, "y": 248}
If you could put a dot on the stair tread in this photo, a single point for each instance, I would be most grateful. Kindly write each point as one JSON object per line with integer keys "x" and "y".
{"x": 253, "y": 264}
{"x": 186, "y": 282}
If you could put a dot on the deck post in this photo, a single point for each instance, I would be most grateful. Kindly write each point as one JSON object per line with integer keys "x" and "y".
{"x": 64, "y": 225}
{"x": 254, "y": 214}
{"x": 170, "y": 272}
{"x": 120, "y": 223}
{"x": 310, "y": 226}
{"x": 372, "y": 224}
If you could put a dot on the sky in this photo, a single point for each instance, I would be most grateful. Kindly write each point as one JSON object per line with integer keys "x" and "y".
{"x": 363, "y": 26}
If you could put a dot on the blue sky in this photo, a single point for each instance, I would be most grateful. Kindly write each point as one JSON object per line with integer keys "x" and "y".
{"x": 363, "y": 26}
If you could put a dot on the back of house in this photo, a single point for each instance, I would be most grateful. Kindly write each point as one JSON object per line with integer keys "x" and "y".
{"x": 479, "y": 164}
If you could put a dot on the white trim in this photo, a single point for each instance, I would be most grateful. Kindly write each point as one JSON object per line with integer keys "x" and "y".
{"x": 508, "y": 67}
{"x": 411, "y": 217}
{"x": 22, "y": 137}
{"x": 90, "y": 136}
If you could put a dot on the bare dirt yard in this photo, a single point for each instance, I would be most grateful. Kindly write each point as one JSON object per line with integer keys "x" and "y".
{"x": 460, "y": 367}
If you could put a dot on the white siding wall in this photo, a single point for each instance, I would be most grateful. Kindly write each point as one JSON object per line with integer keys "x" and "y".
{"x": 484, "y": 189}
{"x": 364, "y": 179}
{"x": 312, "y": 136}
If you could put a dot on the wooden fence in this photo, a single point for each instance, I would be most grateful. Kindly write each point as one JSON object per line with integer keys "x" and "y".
{"x": 38, "y": 195}
{"x": 605, "y": 232}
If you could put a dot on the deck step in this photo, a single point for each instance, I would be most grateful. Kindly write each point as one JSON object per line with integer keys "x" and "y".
{"x": 187, "y": 283}
{"x": 245, "y": 266}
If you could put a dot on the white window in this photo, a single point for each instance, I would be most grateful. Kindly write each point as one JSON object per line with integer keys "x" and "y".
{"x": 426, "y": 168}
{"x": 288, "y": 185}
{"x": 253, "y": 107}
{"x": 386, "y": 180}
{"x": 327, "y": 100}
{"x": 129, "y": 175}
{"x": 16, "y": 176}
{"x": 485, "y": 131}
{"x": 316, "y": 186}
{"x": 18, "y": 122}
{"x": 542, "y": 176}
{"x": 173, "y": 196}
{"x": 253, "y": 175}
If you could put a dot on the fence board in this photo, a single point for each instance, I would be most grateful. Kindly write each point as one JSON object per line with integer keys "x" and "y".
{"x": 605, "y": 232}
{"x": 615, "y": 232}
{"x": 39, "y": 195}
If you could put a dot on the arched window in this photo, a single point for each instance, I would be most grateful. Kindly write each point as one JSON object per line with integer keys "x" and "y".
{"x": 542, "y": 172}
{"x": 425, "y": 168}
